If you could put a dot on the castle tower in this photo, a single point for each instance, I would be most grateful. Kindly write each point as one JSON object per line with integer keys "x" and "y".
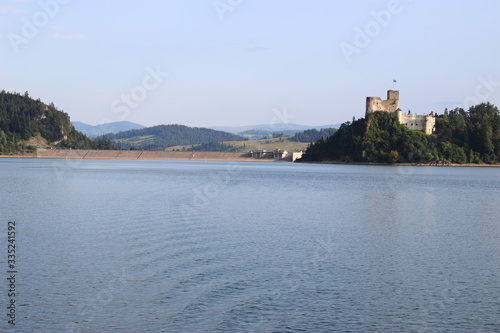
{"x": 374, "y": 104}
{"x": 393, "y": 95}
{"x": 430, "y": 123}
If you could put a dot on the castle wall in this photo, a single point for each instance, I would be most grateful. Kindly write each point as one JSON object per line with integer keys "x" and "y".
{"x": 417, "y": 122}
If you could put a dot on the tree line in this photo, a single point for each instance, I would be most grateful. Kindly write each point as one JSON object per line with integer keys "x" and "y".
{"x": 163, "y": 136}
{"x": 217, "y": 146}
{"x": 22, "y": 118}
{"x": 312, "y": 135}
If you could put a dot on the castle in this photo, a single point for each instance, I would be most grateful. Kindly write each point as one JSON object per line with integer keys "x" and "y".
{"x": 423, "y": 123}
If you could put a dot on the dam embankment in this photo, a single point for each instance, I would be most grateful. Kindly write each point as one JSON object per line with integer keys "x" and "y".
{"x": 147, "y": 155}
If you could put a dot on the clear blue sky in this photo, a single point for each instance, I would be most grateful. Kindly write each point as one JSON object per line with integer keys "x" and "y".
{"x": 245, "y": 62}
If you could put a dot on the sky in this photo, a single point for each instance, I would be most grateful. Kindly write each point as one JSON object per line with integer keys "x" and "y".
{"x": 248, "y": 62}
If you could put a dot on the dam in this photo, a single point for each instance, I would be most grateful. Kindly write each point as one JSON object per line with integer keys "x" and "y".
{"x": 150, "y": 155}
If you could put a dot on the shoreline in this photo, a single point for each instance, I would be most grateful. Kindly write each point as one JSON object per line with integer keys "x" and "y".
{"x": 404, "y": 164}
{"x": 140, "y": 155}
{"x": 195, "y": 156}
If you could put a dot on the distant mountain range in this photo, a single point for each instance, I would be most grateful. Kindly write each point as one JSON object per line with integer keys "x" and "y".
{"x": 249, "y": 131}
{"x": 271, "y": 128}
{"x": 126, "y": 134}
{"x": 98, "y": 130}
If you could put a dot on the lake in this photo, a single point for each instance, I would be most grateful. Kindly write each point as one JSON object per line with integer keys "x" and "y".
{"x": 168, "y": 246}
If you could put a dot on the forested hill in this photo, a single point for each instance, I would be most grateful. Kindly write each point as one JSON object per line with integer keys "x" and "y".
{"x": 26, "y": 124}
{"x": 163, "y": 136}
{"x": 461, "y": 136}
{"x": 312, "y": 135}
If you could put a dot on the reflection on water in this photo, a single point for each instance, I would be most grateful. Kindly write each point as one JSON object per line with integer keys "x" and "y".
{"x": 187, "y": 246}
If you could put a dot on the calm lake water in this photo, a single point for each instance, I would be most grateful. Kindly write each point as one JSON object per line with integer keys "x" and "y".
{"x": 167, "y": 246}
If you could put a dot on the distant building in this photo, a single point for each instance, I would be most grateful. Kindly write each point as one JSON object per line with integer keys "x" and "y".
{"x": 276, "y": 154}
{"x": 423, "y": 123}
{"x": 296, "y": 155}
{"x": 258, "y": 153}
{"x": 280, "y": 154}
